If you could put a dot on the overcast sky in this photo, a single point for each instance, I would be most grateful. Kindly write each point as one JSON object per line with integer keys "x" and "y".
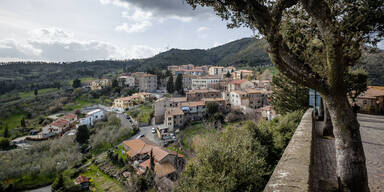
{"x": 71, "y": 30}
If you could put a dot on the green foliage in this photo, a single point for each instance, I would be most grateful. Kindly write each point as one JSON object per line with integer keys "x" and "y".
{"x": 82, "y": 134}
{"x": 170, "y": 88}
{"x": 356, "y": 81}
{"x": 22, "y": 122}
{"x": 212, "y": 108}
{"x": 228, "y": 75}
{"x": 76, "y": 83}
{"x": 6, "y": 131}
{"x": 240, "y": 158}
{"x": 288, "y": 96}
{"x": 4, "y": 143}
{"x": 58, "y": 183}
{"x": 38, "y": 165}
{"x": 179, "y": 84}
{"x": 143, "y": 113}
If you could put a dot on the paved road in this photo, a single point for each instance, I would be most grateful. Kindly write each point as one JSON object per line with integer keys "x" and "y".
{"x": 43, "y": 189}
{"x": 372, "y": 135}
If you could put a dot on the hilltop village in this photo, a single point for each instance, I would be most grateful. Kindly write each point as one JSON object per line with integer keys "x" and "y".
{"x": 157, "y": 114}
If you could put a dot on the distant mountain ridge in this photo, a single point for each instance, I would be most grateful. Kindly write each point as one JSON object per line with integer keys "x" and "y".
{"x": 242, "y": 52}
{"x": 246, "y": 52}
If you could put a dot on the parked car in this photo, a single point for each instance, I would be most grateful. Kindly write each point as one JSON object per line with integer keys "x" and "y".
{"x": 140, "y": 136}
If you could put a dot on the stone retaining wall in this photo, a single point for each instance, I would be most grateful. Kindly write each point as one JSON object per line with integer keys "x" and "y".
{"x": 292, "y": 173}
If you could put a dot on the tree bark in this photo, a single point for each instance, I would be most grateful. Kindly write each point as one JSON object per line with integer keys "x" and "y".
{"x": 351, "y": 169}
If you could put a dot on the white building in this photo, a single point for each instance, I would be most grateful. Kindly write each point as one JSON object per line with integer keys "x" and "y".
{"x": 91, "y": 117}
{"x": 204, "y": 81}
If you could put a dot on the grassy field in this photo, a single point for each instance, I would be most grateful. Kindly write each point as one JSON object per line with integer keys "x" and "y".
{"x": 188, "y": 133}
{"x": 12, "y": 121}
{"x": 83, "y": 80}
{"x": 102, "y": 182}
{"x": 80, "y": 103}
{"x": 142, "y": 113}
{"x": 41, "y": 91}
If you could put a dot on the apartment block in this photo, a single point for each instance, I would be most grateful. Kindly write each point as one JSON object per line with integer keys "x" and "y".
{"x": 145, "y": 82}
{"x": 204, "y": 81}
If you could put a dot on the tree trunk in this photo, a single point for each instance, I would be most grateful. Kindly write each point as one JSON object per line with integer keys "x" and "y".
{"x": 327, "y": 122}
{"x": 351, "y": 169}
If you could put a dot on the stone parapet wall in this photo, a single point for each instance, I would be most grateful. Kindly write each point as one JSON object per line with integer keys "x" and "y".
{"x": 293, "y": 172}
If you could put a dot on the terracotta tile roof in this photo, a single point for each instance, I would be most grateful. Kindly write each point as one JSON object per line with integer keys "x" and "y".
{"x": 238, "y": 81}
{"x": 60, "y": 123}
{"x": 204, "y": 91}
{"x": 250, "y": 91}
{"x": 161, "y": 169}
{"x": 240, "y": 92}
{"x": 373, "y": 91}
{"x": 164, "y": 169}
{"x": 70, "y": 116}
{"x": 213, "y": 99}
{"x": 143, "y": 146}
{"x": 81, "y": 179}
{"x": 193, "y": 103}
{"x": 137, "y": 146}
{"x": 209, "y": 77}
{"x": 128, "y": 98}
{"x": 178, "y": 99}
{"x": 174, "y": 111}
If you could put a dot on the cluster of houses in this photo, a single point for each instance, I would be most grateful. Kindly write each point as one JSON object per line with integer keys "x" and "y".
{"x": 100, "y": 84}
{"x": 167, "y": 164}
{"x": 56, "y": 128}
{"x": 250, "y": 97}
{"x": 63, "y": 124}
{"x": 125, "y": 103}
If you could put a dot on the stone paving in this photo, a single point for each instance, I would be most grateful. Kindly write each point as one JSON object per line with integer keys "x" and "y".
{"x": 372, "y": 135}
{"x": 324, "y": 167}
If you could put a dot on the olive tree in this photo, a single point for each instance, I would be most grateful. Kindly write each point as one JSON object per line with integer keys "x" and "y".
{"x": 315, "y": 43}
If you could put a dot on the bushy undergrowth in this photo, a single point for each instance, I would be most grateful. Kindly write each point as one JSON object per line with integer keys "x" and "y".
{"x": 39, "y": 164}
{"x": 239, "y": 158}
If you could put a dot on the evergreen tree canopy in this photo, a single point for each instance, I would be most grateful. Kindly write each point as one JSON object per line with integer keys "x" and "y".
{"x": 288, "y": 96}
{"x": 76, "y": 83}
{"x": 170, "y": 88}
{"x": 82, "y": 134}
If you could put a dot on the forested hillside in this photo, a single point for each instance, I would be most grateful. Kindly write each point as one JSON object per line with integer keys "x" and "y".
{"x": 246, "y": 52}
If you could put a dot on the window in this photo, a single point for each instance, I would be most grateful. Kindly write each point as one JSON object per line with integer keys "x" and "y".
{"x": 169, "y": 118}
{"x": 364, "y": 102}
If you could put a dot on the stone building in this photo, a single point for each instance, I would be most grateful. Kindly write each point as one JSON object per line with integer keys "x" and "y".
{"x": 372, "y": 101}
{"x": 198, "y": 94}
{"x": 100, "y": 84}
{"x": 162, "y": 104}
{"x": 145, "y": 82}
{"x": 174, "y": 118}
{"x": 239, "y": 85}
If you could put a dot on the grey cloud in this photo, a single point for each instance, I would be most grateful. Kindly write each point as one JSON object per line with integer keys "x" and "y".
{"x": 169, "y": 7}
{"x": 73, "y": 51}
{"x": 13, "y": 49}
